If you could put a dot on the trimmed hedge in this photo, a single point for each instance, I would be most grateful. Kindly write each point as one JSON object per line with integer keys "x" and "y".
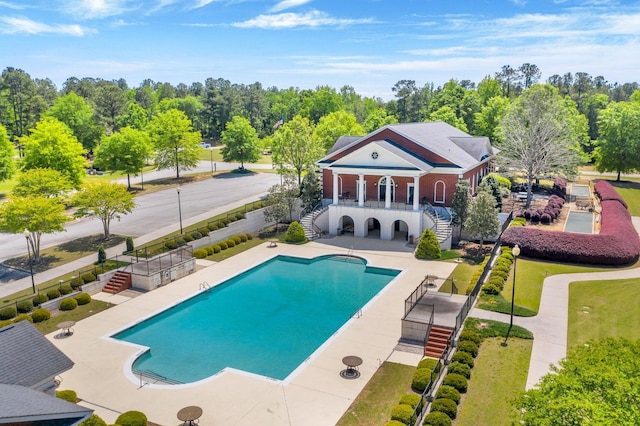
{"x": 94, "y": 420}
{"x": 437, "y": 418}
{"x": 403, "y": 413}
{"x": 53, "y": 294}
{"x": 23, "y": 317}
{"x": 132, "y": 418}
{"x": 295, "y": 233}
{"x": 76, "y": 282}
{"x": 83, "y": 298}
{"x": 457, "y": 381}
{"x": 429, "y": 363}
{"x": 39, "y": 299}
{"x": 65, "y": 289}
{"x": 411, "y": 399}
{"x": 40, "y": 314}
{"x": 88, "y": 277}
{"x": 460, "y": 368}
{"x": 25, "y": 306}
{"x": 448, "y": 392}
{"x": 68, "y": 304}
{"x": 445, "y": 405}
{"x": 394, "y": 423}
{"x": 421, "y": 379}
{"x": 7, "y": 313}
{"x": 200, "y": 253}
{"x": 468, "y": 346}
{"x": 428, "y": 246}
{"x": 616, "y": 244}
{"x": 463, "y": 357}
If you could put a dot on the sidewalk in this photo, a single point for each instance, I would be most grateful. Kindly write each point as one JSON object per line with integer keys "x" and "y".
{"x": 550, "y": 326}
{"x": 51, "y": 274}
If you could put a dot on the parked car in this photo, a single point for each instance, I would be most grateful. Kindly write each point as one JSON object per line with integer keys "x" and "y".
{"x": 205, "y": 144}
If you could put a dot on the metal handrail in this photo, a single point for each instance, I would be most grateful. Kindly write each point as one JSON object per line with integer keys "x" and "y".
{"x": 416, "y": 295}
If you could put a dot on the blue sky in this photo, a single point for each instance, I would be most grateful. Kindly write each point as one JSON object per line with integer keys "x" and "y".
{"x": 368, "y": 44}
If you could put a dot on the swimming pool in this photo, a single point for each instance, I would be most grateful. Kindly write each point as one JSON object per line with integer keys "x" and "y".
{"x": 265, "y": 321}
{"x": 581, "y": 222}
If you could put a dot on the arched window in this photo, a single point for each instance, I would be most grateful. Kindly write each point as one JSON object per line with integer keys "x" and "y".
{"x": 439, "y": 192}
{"x": 382, "y": 189}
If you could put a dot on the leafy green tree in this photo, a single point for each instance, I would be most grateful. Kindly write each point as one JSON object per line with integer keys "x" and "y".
{"x": 460, "y": 204}
{"x": 135, "y": 117}
{"x": 52, "y": 145}
{"x": 447, "y": 115}
{"x": 7, "y": 163}
{"x": 618, "y": 149}
{"x": 310, "y": 190}
{"x": 591, "y": 109}
{"x": 240, "y": 142}
{"x": 323, "y": 101}
{"x": 45, "y": 183}
{"x": 428, "y": 247}
{"x": 488, "y": 119}
{"x": 539, "y": 137}
{"x": 25, "y": 106}
{"x": 488, "y": 88}
{"x": 334, "y": 125}
{"x": 295, "y": 145}
{"x": 105, "y": 201}
{"x": 110, "y": 102}
{"x": 597, "y": 384}
{"x": 482, "y": 221}
{"x": 378, "y": 118}
{"x": 176, "y": 144}
{"x": 78, "y": 115}
{"x": 39, "y": 215}
{"x": 295, "y": 233}
{"x": 282, "y": 200}
{"x": 125, "y": 151}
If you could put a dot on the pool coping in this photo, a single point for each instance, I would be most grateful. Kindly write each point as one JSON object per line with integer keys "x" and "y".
{"x": 315, "y": 395}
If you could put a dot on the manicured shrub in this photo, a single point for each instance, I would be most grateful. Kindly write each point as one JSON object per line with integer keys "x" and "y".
{"x": 463, "y": 357}
{"x": 76, "y": 282}
{"x": 445, "y": 405}
{"x": 456, "y": 381}
{"x": 83, "y": 298}
{"x": 225, "y": 222}
{"x": 491, "y": 289}
{"x": 239, "y": 216}
{"x": 8, "y": 313}
{"x": 88, "y": 277}
{"x": 25, "y": 306}
{"x": 129, "y": 243}
{"x": 65, "y": 289}
{"x": 223, "y": 245}
{"x": 411, "y": 399}
{"x": 4, "y": 323}
{"x": 470, "y": 335}
{"x": 94, "y": 420}
{"x": 102, "y": 255}
{"x": 402, "y": 413}
{"x": 23, "y": 317}
{"x": 181, "y": 242}
{"x": 469, "y": 347}
{"x": 187, "y": 238}
{"x": 53, "y": 294}
{"x": 217, "y": 248}
{"x": 243, "y": 238}
{"x": 607, "y": 192}
{"x": 545, "y": 219}
{"x": 230, "y": 243}
{"x": 237, "y": 239}
{"x": 67, "y": 395}
{"x": 204, "y": 231}
{"x": 394, "y": 423}
{"x": 421, "y": 379}
{"x": 249, "y": 236}
{"x": 39, "y": 299}
{"x": 437, "y": 418}
{"x": 295, "y": 233}
{"x": 68, "y": 304}
{"x": 200, "y": 253}
{"x": 212, "y": 227}
{"x": 40, "y": 314}
{"x": 461, "y": 369}
{"x": 428, "y": 247}
{"x": 448, "y": 392}
{"x": 98, "y": 270}
{"x": 535, "y": 217}
{"x": 519, "y": 221}
{"x": 429, "y": 363}
{"x": 132, "y": 418}
{"x": 196, "y": 235}
{"x": 209, "y": 250}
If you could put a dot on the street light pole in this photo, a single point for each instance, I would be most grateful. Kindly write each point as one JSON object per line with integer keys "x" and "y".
{"x": 27, "y": 235}
{"x": 516, "y": 252}
{"x": 211, "y": 157}
{"x": 179, "y": 209}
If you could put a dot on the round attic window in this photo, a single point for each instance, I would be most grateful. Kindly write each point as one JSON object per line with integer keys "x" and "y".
{"x": 374, "y": 155}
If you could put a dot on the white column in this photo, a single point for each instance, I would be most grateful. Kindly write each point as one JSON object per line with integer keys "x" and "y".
{"x": 387, "y": 193}
{"x": 416, "y": 192}
{"x": 360, "y": 190}
{"x": 335, "y": 188}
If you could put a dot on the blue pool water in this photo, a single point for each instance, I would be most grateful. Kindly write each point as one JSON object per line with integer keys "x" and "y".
{"x": 581, "y": 222}
{"x": 266, "y": 321}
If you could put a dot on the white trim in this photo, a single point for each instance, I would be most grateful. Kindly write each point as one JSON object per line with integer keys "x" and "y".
{"x": 392, "y": 188}
{"x": 435, "y": 192}
{"x": 409, "y": 186}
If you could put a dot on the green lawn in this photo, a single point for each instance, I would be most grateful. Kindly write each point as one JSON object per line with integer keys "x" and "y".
{"x": 499, "y": 375}
{"x": 77, "y": 314}
{"x": 630, "y": 191}
{"x": 373, "y": 405}
{"x": 214, "y": 155}
{"x": 461, "y": 276}
{"x": 599, "y": 309}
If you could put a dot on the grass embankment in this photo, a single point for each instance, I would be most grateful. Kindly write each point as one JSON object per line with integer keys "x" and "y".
{"x": 630, "y": 191}
{"x": 599, "y": 309}
{"x": 79, "y": 313}
{"x": 461, "y": 276}
{"x": 373, "y": 405}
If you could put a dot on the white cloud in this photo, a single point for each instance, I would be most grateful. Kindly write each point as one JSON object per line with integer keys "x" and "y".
{"x": 288, "y": 4}
{"x": 291, "y": 20}
{"x": 13, "y": 6}
{"x": 95, "y": 9}
{"x": 21, "y": 25}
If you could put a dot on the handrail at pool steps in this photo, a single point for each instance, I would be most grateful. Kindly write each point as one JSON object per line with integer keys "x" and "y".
{"x": 204, "y": 286}
{"x": 154, "y": 376}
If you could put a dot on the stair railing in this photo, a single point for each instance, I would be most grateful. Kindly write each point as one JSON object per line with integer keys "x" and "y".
{"x": 429, "y": 326}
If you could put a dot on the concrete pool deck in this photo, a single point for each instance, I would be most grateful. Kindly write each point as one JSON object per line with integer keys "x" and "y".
{"x": 315, "y": 394}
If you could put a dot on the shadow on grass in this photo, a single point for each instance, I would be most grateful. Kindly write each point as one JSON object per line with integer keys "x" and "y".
{"x": 497, "y": 303}
{"x": 44, "y": 263}
{"x": 90, "y": 244}
{"x": 625, "y": 184}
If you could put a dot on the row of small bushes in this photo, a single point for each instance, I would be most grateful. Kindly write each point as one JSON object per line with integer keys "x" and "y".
{"x": 10, "y": 314}
{"x": 230, "y": 242}
{"x": 129, "y": 418}
{"x": 546, "y": 215}
{"x": 445, "y": 406}
{"x": 500, "y": 272}
{"x": 476, "y": 275}
{"x": 616, "y": 244}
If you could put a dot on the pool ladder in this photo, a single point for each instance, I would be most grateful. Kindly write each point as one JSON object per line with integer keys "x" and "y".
{"x": 204, "y": 286}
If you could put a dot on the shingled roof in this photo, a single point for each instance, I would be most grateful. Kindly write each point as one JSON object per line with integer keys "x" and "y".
{"x": 27, "y": 357}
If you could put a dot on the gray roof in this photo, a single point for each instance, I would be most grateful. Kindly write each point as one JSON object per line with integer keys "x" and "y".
{"x": 21, "y": 404}
{"x": 342, "y": 142}
{"x": 27, "y": 357}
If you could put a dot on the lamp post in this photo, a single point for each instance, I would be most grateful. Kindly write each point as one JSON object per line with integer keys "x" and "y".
{"x": 211, "y": 158}
{"x": 179, "y": 209}
{"x": 516, "y": 252}
{"x": 27, "y": 235}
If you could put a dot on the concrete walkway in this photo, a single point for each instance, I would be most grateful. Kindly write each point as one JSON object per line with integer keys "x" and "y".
{"x": 550, "y": 326}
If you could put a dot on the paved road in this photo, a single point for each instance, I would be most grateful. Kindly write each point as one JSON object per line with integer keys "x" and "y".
{"x": 156, "y": 210}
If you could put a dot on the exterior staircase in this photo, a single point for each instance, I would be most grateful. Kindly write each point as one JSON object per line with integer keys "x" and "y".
{"x": 442, "y": 228}
{"x": 437, "y": 341}
{"x": 307, "y": 222}
{"x": 119, "y": 281}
